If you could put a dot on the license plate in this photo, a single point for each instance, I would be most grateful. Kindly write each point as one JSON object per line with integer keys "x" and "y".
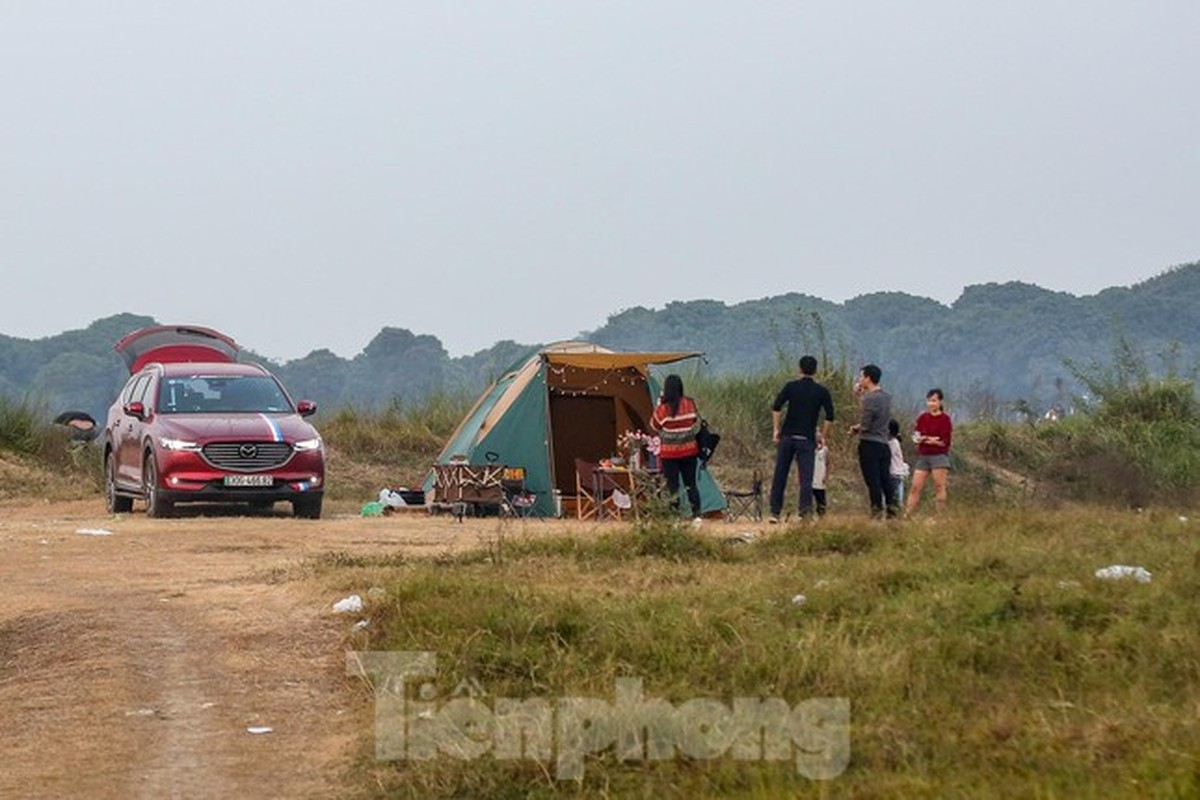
{"x": 249, "y": 480}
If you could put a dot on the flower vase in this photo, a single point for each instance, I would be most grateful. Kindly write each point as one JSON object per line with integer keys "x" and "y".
{"x": 635, "y": 458}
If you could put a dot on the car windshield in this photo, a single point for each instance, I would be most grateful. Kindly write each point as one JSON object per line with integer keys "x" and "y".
{"x": 221, "y": 394}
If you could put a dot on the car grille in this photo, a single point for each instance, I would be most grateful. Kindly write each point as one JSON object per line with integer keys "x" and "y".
{"x": 247, "y": 456}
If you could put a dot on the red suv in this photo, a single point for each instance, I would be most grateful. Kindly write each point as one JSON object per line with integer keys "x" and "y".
{"x": 193, "y": 425}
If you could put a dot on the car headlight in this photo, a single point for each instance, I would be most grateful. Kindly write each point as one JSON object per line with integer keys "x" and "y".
{"x": 179, "y": 444}
{"x": 308, "y": 444}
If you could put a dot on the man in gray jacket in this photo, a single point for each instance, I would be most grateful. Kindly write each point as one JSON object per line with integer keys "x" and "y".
{"x": 874, "y": 455}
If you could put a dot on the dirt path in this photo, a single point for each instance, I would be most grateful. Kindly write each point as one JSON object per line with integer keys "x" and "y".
{"x": 133, "y": 664}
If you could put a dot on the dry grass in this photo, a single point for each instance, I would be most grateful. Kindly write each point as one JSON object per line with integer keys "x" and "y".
{"x": 23, "y": 477}
{"x": 50, "y": 665}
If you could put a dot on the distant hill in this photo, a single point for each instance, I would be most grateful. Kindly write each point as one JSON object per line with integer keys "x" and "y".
{"x": 1006, "y": 341}
{"x": 996, "y": 343}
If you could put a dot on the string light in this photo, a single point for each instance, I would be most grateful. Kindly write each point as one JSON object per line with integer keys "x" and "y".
{"x": 559, "y": 377}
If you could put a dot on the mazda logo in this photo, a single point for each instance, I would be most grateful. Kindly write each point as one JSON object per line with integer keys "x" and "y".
{"x": 248, "y": 451}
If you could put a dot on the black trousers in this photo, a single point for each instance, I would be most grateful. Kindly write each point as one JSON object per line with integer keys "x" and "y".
{"x": 875, "y": 460}
{"x": 675, "y": 468}
{"x": 821, "y": 502}
{"x": 802, "y": 450}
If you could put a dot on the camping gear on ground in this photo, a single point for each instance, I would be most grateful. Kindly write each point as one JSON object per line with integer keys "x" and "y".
{"x": 745, "y": 502}
{"x": 481, "y": 489}
{"x": 518, "y": 501}
{"x": 401, "y": 497}
{"x": 392, "y": 499}
{"x": 82, "y": 426}
{"x": 474, "y": 484}
{"x": 568, "y": 401}
{"x": 601, "y": 491}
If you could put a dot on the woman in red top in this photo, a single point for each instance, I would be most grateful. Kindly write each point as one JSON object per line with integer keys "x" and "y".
{"x": 932, "y": 435}
{"x": 677, "y": 422}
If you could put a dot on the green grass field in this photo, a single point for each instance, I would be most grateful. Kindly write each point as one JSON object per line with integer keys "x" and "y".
{"x": 980, "y": 656}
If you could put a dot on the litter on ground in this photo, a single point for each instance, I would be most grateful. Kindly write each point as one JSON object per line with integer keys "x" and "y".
{"x": 1122, "y": 571}
{"x": 348, "y": 605}
{"x": 94, "y": 532}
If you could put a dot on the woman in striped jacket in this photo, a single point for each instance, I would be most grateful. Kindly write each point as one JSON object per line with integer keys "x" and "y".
{"x": 677, "y": 422}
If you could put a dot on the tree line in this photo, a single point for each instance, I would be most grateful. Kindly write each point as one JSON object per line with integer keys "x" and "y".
{"x": 999, "y": 346}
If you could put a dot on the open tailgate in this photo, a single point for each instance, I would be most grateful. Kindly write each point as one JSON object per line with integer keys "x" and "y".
{"x": 169, "y": 344}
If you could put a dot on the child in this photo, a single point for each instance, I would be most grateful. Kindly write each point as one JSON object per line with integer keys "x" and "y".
{"x": 820, "y": 467}
{"x": 899, "y": 467}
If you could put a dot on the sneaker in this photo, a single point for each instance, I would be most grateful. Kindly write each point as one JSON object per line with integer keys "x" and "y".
{"x": 697, "y": 522}
{"x": 773, "y": 520}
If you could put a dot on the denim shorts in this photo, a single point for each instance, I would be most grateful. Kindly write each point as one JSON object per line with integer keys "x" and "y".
{"x": 927, "y": 463}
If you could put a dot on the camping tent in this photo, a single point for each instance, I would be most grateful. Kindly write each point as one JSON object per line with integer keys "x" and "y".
{"x": 571, "y": 400}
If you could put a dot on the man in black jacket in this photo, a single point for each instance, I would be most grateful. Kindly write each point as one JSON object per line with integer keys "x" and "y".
{"x": 796, "y": 434}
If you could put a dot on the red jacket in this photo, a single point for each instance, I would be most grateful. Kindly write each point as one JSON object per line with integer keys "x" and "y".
{"x": 934, "y": 425}
{"x": 677, "y": 432}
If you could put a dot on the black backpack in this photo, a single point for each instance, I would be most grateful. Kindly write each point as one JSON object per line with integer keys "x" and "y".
{"x": 707, "y": 440}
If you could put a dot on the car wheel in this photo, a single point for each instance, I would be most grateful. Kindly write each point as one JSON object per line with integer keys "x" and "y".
{"x": 156, "y": 506}
{"x": 113, "y": 502}
{"x": 308, "y": 507}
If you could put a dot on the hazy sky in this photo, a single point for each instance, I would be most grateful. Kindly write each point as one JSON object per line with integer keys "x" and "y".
{"x": 302, "y": 174}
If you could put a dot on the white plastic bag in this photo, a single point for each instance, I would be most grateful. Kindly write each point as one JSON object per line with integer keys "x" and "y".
{"x": 1119, "y": 572}
{"x": 391, "y": 498}
{"x": 621, "y": 499}
{"x": 349, "y": 605}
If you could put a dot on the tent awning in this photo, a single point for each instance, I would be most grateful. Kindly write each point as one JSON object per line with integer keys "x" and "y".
{"x": 615, "y": 360}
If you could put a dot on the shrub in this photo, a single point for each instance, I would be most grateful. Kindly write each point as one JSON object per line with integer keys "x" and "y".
{"x": 1146, "y": 428}
{"x": 403, "y": 439}
{"x": 21, "y": 428}
{"x": 397, "y": 431}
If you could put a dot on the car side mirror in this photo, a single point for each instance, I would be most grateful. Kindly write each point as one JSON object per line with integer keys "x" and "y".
{"x": 136, "y": 409}
{"x": 306, "y": 408}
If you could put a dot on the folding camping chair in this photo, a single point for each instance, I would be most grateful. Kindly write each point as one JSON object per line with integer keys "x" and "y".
{"x": 518, "y": 502}
{"x": 598, "y": 494}
{"x": 745, "y": 503}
